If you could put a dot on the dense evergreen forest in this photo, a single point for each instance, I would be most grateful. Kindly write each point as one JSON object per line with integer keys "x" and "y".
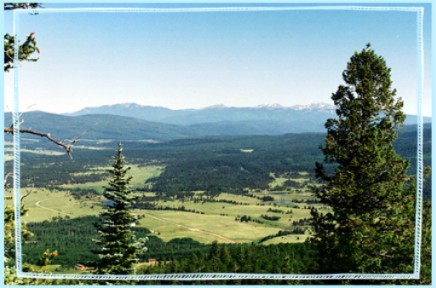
{"x": 213, "y": 164}
{"x": 193, "y": 159}
{"x": 236, "y": 162}
{"x": 74, "y": 238}
{"x": 186, "y": 255}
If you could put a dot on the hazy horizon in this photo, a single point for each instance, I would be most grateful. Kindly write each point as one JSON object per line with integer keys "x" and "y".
{"x": 214, "y": 106}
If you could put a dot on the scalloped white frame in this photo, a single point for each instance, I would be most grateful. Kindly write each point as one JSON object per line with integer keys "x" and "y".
{"x": 223, "y": 276}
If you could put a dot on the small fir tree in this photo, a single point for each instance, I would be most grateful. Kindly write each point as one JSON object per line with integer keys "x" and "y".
{"x": 118, "y": 246}
{"x": 371, "y": 224}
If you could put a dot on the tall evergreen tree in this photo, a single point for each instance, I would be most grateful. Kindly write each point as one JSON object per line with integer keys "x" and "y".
{"x": 118, "y": 246}
{"x": 370, "y": 227}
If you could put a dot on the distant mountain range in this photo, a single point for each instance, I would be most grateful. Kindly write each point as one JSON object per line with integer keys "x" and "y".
{"x": 131, "y": 121}
{"x": 275, "y": 113}
{"x": 308, "y": 118}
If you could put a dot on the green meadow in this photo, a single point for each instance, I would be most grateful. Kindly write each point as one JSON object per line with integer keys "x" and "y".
{"x": 218, "y": 219}
{"x": 139, "y": 175}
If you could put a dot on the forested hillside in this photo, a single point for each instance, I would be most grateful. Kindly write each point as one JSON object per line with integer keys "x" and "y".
{"x": 214, "y": 164}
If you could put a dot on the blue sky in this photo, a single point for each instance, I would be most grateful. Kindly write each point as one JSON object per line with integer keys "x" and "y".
{"x": 193, "y": 60}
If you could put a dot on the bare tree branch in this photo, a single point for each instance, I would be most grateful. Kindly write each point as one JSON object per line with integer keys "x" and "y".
{"x": 77, "y": 139}
{"x": 68, "y": 148}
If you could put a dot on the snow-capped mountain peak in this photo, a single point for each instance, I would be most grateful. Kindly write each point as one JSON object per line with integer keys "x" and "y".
{"x": 271, "y": 106}
{"x": 314, "y": 106}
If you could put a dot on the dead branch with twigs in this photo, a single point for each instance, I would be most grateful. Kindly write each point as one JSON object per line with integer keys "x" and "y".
{"x": 68, "y": 148}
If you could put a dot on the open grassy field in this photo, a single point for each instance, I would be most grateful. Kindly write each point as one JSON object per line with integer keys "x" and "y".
{"x": 139, "y": 175}
{"x": 218, "y": 220}
{"x": 44, "y": 204}
{"x": 8, "y": 152}
{"x": 8, "y": 157}
{"x": 215, "y": 221}
{"x": 254, "y": 211}
{"x": 238, "y": 198}
{"x": 203, "y": 228}
{"x": 279, "y": 180}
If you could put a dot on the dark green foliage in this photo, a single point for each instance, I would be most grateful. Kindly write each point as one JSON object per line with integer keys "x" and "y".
{"x": 243, "y": 258}
{"x": 12, "y": 6}
{"x": 275, "y": 210}
{"x": 27, "y": 49}
{"x": 426, "y": 251}
{"x": 302, "y": 222}
{"x": 177, "y": 248}
{"x": 270, "y": 218}
{"x": 281, "y": 233}
{"x": 9, "y": 232}
{"x": 218, "y": 165}
{"x": 426, "y": 247}
{"x": 72, "y": 238}
{"x": 371, "y": 227}
{"x": 186, "y": 163}
{"x": 406, "y": 146}
{"x": 78, "y": 193}
{"x": 9, "y": 239}
{"x": 118, "y": 247}
{"x": 244, "y": 218}
{"x": 267, "y": 198}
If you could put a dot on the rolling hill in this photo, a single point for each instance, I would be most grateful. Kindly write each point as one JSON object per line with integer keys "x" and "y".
{"x": 100, "y": 127}
{"x": 135, "y": 122}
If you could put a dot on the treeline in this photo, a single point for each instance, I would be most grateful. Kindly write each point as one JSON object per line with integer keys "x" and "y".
{"x": 72, "y": 238}
{"x": 50, "y": 171}
{"x": 217, "y": 164}
{"x": 221, "y": 166}
{"x": 79, "y": 193}
{"x": 241, "y": 258}
{"x": 213, "y": 164}
{"x": 281, "y": 233}
{"x": 288, "y": 185}
{"x": 270, "y": 218}
{"x": 152, "y": 206}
